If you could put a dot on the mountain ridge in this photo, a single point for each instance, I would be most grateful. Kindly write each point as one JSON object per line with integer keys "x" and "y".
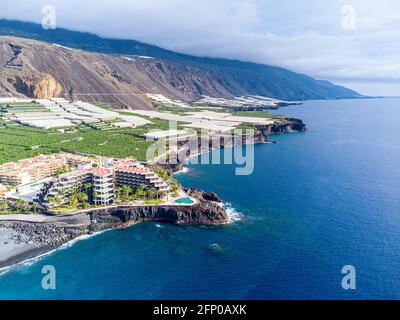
{"x": 185, "y": 77}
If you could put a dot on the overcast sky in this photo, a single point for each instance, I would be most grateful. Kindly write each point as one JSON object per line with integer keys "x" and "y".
{"x": 322, "y": 38}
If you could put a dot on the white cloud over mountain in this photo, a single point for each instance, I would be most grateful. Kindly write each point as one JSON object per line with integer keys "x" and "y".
{"x": 305, "y": 36}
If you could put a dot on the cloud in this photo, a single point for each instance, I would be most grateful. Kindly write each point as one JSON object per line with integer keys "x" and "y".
{"x": 305, "y": 36}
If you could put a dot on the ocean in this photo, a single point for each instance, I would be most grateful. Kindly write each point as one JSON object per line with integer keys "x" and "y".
{"x": 317, "y": 201}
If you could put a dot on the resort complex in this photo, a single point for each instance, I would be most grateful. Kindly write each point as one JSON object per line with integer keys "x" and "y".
{"x": 65, "y": 179}
{"x": 42, "y": 166}
{"x": 101, "y": 184}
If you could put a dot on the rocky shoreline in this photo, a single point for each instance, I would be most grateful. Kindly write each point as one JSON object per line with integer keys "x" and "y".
{"x": 285, "y": 125}
{"x": 30, "y": 239}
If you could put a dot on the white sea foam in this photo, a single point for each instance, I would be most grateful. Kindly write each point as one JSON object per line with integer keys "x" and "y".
{"x": 4, "y": 270}
{"x": 233, "y": 214}
{"x": 183, "y": 171}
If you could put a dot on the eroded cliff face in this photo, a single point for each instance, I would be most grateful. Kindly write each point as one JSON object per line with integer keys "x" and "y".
{"x": 36, "y": 87}
{"x": 47, "y": 87}
{"x": 19, "y": 77}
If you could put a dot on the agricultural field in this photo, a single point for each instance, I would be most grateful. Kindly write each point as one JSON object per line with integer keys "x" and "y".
{"x": 20, "y": 142}
{"x": 21, "y": 107}
{"x": 101, "y": 138}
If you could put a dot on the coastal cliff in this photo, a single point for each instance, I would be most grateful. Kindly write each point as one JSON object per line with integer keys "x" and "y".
{"x": 284, "y": 125}
{"x": 54, "y": 231}
{"x": 207, "y": 212}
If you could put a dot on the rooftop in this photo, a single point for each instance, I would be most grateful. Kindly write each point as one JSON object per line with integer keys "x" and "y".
{"x": 101, "y": 172}
{"x": 134, "y": 169}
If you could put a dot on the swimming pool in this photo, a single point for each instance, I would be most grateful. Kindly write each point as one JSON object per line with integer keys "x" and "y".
{"x": 184, "y": 201}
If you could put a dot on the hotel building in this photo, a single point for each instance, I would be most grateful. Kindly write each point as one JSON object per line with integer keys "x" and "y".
{"x": 31, "y": 170}
{"x": 103, "y": 182}
{"x": 133, "y": 174}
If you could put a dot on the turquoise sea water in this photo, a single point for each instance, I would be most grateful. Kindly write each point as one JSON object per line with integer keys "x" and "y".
{"x": 317, "y": 201}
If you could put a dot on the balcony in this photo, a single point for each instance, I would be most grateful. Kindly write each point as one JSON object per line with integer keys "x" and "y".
{"x": 103, "y": 184}
{"x": 105, "y": 191}
{"x": 104, "y": 196}
{"x": 110, "y": 177}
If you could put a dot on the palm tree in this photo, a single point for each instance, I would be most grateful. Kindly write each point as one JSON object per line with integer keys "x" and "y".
{"x": 18, "y": 204}
{"x": 73, "y": 201}
{"x": 95, "y": 194}
{"x": 141, "y": 192}
{"x": 22, "y": 205}
{"x": 4, "y": 205}
{"x": 151, "y": 193}
{"x": 83, "y": 198}
{"x": 79, "y": 186}
{"x": 63, "y": 192}
{"x": 118, "y": 193}
{"x": 58, "y": 201}
{"x": 87, "y": 187}
{"x": 50, "y": 200}
{"x": 34, "y": 207}
{"x": 126, "y": 190}
{"x": 175, "y": 188}
{"x": 75, "y": 193}
{"x": 163, "y": 174}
